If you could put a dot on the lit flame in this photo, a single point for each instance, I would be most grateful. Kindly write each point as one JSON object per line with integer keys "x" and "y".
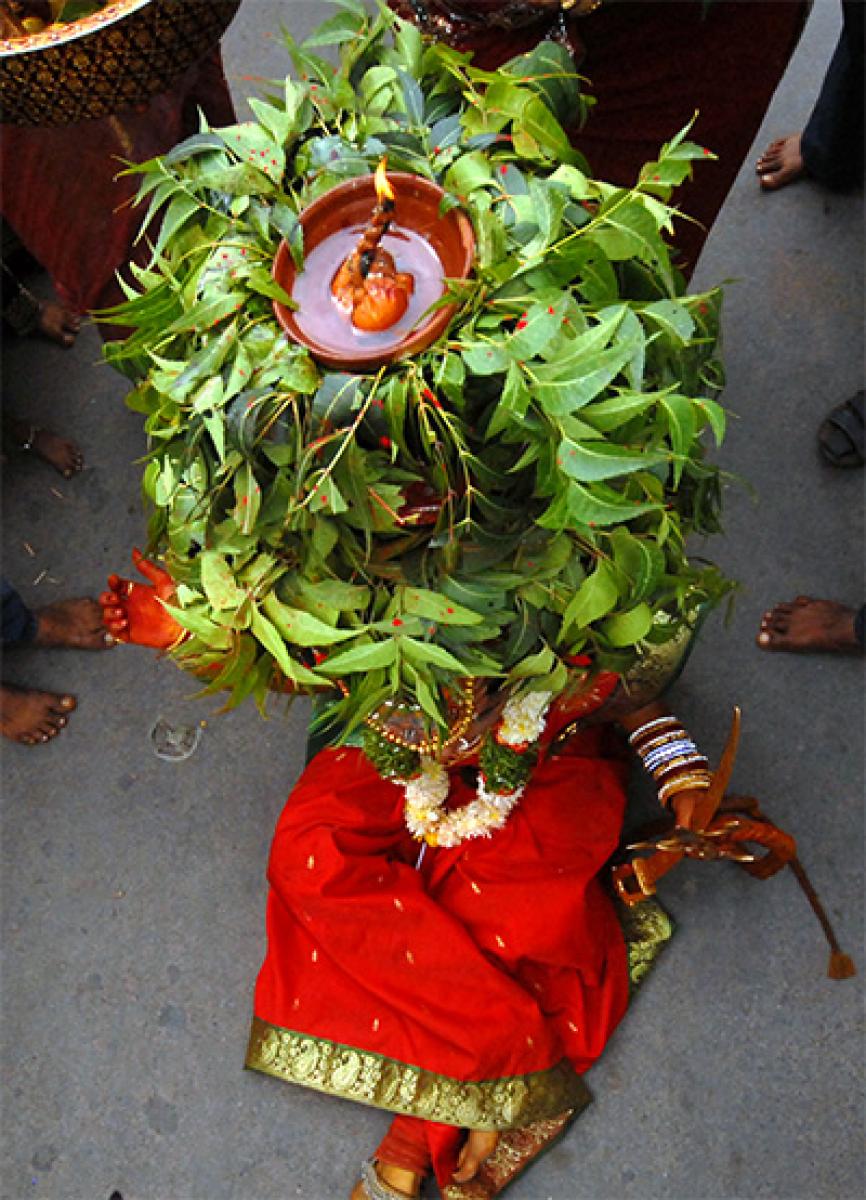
{"x": 384, "y": 191}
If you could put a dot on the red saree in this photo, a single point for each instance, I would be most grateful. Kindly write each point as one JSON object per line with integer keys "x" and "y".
{"x": 472, "y": 992}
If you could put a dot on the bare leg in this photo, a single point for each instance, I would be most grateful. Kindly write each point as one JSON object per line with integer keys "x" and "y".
{"x": 808, "y": 626}
{"x": 31, "y": 717}
{"x": 781, "y": 163}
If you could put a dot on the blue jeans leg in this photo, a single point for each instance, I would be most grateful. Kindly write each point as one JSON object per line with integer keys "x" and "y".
{"x": 832, "y": 142}
{"x": 19, "y": 623}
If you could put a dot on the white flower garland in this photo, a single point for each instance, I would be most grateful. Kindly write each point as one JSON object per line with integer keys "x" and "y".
{"x": 521, "y": 725}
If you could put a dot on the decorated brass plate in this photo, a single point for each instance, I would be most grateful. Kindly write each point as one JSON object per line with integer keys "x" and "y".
{"x": 102, "y": 64}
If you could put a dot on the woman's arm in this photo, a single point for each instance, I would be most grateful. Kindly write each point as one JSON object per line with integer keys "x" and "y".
{"x": 679, "y": 770}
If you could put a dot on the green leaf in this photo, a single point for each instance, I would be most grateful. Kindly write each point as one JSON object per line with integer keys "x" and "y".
{"x": 469, "y": 172}
{"x": 600, "y": 460}
{"x": 276, "y": 121}
{"x": 422, "y": 603}
{"x": 566, "y": 387}
{"x": 627, "y": 628}
{"x": 177, "y": 214}
{"x": 211, "y": 634}
{"x": 370, "y": 656}
{"x": 610, "y": 414}
{"x": 261, "y": 281}
{"x": 218, "y": 581}
{"x": 300, "y": 628}
{"x": 207, "y": 313}
{"x": 595, "y": 597}
{"x": 486, "y": 358}
{"x": 716, "y": 417}
{"x": 640, "y": 562}
{"x": 199, "y": 143}
{"x": 513, "y": 403}
{"x": 248, "y": 498}
{"x": 429, "y": 652}
{"x": 272, "y": 642}
{"x": 577, "y": 506}
{"x": 409, "y": 46}
{"x": 629, "y": 231}
{"x": 673, "y": 318}
{"x": 540, "y": 663}
{"x": 682, "y": 422}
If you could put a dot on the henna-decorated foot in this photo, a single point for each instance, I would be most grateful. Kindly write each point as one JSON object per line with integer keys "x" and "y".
{"x": 808, "y": 626}
{"x": 781, "y": 163}
{"x": 58, "y": 323}
{"x": 72, "y": 625}
{"x": 32, "y": 717}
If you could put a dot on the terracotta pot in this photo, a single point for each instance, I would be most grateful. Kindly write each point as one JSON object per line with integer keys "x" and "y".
{"x": 351, "y": 203}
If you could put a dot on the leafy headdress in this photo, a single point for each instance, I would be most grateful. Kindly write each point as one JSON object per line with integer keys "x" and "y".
{"x": 555, "y": 432}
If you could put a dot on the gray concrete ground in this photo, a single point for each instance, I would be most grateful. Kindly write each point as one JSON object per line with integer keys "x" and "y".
{"x": 133, "y": 888}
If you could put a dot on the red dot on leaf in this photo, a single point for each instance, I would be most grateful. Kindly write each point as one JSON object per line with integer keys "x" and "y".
{"x": 449, "y": 610}
{"x": 551, "y": 309}
{"x": 385, "y": 443}
{"x": 396, "y": 622}
{"x": 503, "y": 170}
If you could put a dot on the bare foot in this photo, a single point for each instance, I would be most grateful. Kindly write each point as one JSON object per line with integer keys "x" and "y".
{"x": 58, "y": 323}
{"x": 60, "y": 453}
{"x": 32, "y": 717}
{"x": 73, "y": 625}
{"x": 808, "y": 626}
{"x": 781, "y": 163}
{"x": 478, "y": 1147}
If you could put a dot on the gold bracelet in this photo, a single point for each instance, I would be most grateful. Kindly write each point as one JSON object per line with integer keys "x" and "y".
{"x": 652, "y": 729}
{"x": 684, "y": 783}
{"x": 662, "y": 773}
{"x": 661, "y": 739}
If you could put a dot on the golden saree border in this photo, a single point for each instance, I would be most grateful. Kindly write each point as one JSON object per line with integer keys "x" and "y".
{"x": 647, "y": 929}
{"x": 367, "y": 1078}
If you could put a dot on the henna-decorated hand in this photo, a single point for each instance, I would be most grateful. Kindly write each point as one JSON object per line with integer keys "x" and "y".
{"x": 135, "y": 612}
